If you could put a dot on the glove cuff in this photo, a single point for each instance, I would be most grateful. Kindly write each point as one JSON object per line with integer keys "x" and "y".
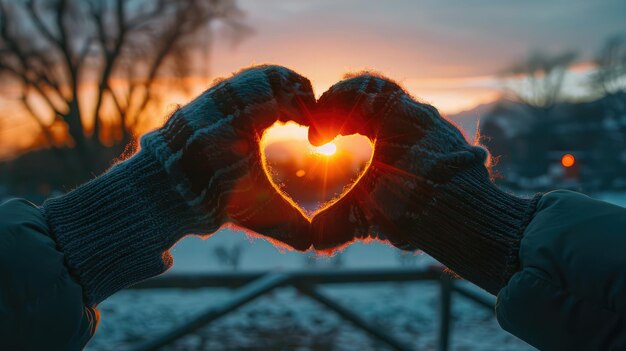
{"x": 116, "y": 230}
{"x": 475, "y": 229}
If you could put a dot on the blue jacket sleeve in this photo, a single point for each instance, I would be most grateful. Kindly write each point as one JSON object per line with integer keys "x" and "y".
{"x": 41, "y": 306}
{"x": 570, "y": 293}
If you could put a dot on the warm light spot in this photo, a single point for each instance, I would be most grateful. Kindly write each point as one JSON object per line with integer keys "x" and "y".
{"x": 312, "y": 178}
{"x": 568, "y": 160}
{"x": 328, "y": 149}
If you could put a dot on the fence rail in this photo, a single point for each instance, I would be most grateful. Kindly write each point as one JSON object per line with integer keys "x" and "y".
{"x": 251, "y": 285}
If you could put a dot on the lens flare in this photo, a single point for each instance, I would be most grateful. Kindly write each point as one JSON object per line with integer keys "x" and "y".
{"x": 328, "y": 149}
{"x": 308, "y": 177}
{"x": 568, "y": 160}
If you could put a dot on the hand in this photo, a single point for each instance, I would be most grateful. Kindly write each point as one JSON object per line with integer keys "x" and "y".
{"x": 404, "y": 163}
{"x": 210, "y": 149}
{"x": 200, "y": 170}
{"x": 426, "y": 188}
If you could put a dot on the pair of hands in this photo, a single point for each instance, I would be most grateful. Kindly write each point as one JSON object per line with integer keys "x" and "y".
{"x": 415, "y": 149}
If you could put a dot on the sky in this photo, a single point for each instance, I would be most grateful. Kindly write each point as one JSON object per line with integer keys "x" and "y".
{"x": 445, "y": 52}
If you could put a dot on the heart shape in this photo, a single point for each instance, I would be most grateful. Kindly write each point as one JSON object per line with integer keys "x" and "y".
{"x": 313, "y": 178}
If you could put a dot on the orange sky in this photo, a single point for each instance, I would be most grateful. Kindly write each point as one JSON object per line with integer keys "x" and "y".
{"x": 444, "y": 52}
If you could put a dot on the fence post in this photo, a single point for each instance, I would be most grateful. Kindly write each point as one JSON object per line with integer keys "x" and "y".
{"x": 445, "y": 304}
{"x": 240, "y": 297}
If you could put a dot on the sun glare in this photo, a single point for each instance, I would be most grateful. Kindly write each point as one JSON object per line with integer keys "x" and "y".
{"x": 328, "y": 149}
{"x": 312, "y": 178}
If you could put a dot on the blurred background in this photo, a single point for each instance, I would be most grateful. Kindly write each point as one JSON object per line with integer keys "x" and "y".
{"x": 541, "y": 84}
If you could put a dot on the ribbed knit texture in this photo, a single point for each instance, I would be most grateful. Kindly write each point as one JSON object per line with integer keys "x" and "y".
{"x": 116, "y": 230}
{"x": 472, "y": 227}
{"x": 212, "y": 142}
{"x": 427, "y": 188}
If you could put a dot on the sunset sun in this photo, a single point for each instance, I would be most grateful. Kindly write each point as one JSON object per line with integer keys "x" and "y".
{"x": 328, "y": 149}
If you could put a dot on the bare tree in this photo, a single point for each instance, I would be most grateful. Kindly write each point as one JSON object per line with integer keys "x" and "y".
{"x": 610, "y": 62}
{"x": 96, "y": 68}
{"x": 537, "y": 81}
{"x": 229, "y": 257}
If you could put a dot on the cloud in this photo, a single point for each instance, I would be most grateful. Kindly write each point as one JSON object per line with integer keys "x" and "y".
{"x": 418, "y": 40}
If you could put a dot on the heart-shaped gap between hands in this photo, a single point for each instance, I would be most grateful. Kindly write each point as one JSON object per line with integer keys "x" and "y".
{"x": 313, "y": 178}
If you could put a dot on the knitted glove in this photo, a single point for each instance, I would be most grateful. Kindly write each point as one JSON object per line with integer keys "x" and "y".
{"x": 201, "y": 169}
{"x": 426, "y": 188}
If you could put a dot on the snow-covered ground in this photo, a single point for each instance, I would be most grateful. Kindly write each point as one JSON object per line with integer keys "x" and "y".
{"x": 285, "y": 320}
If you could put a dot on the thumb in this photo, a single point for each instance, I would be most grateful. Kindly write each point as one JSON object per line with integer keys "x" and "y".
{"x": 261, "y": 95}
{"x": 355, "y": 105}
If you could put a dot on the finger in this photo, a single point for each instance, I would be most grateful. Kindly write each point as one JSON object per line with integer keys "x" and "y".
{"x": 339, "y": 225}
{"x": 371, "y": 210}
{"x": 262, "y": 95}
{"x": 391, "y": 196}
{"x": 293, "y": 93}
{"x": 355, "y": 105}
{"x": 351, "y": 218}
{"x": 348, "y": 221}
{"x": 256, "y": 205}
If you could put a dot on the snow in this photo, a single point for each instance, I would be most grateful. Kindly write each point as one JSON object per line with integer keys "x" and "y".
{"x": 286, "y": 320}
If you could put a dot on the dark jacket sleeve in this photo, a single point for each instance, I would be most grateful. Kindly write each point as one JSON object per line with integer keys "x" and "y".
{"x": 41, "y": 306}
{"x": 570, "y": 293}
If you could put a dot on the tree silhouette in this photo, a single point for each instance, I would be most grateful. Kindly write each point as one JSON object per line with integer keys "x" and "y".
{"x": 610, "y": 74}
{"x": 89, "y": 72}
{"x": 537, "y": 80}
{"x": 229, "y": 257}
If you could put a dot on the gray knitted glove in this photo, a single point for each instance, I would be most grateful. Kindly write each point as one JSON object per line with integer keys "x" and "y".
{"x": 426, "y": 188}
{"x": 210, "y": 150}
{"x": 201, "y": 169}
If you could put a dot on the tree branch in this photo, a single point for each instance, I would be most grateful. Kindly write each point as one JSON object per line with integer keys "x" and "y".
{"x": 44, "y": 128}
{"x": 43, "y": 30}
{"x": 110, "y": 56}
{"x": 142, "y": 19}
